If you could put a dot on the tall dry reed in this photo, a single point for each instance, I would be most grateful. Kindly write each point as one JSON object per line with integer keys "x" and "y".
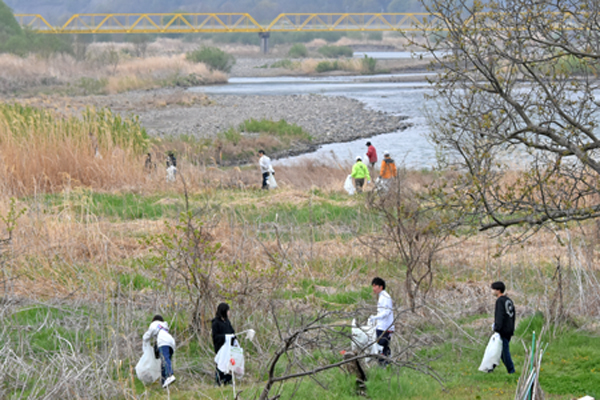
{"x": 43, "y": 152}
{"x": 114, "y": 74}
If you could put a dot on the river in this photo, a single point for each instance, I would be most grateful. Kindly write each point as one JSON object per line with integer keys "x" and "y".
{"x": 409, "y": 146}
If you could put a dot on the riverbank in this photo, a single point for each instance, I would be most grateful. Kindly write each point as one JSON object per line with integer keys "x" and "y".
{"x": 171, "y": 113}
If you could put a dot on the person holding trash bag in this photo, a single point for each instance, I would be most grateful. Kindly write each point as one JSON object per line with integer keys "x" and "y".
{"x": 221, "y": 326}
{"x": 165, "y": 344}
{"x": 504, "y": 322}
{"x": 265, "y": 168}
{"x": 384, "y": 318}
{"x": 360, "y": 172}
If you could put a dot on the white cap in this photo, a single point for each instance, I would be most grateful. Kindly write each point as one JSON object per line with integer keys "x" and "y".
{"x": 358, "y": 158}
{"x": 386, "y": 153}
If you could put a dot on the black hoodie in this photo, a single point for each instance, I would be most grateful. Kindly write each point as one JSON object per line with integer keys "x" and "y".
{"x": 220, "y": 328}
{"x": 504, "y": 321}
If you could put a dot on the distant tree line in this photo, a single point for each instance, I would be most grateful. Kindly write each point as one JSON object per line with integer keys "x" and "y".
{"x": 14, "y": 39}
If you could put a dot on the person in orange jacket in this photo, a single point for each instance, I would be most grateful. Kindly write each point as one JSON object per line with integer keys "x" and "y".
{"x": 388, "y": 171}
{"x": 388, "y": 167}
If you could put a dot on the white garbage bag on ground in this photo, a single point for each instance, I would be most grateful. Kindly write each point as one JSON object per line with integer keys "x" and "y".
{"x": 349, "y": 186}
{"x": 148, "y": 368}
{"x": 492, "y": 355}
{"x": 271, "y": 182}
{"x": 363, "y": 336}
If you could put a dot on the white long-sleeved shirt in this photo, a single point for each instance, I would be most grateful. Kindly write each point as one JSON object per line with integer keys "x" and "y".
{"x": 265, "y": 164}
{"x": 385, "y": 312}
{"x": 160, "y": 331}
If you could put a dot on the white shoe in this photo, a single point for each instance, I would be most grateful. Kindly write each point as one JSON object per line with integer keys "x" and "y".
{"x": 168, "y": 381}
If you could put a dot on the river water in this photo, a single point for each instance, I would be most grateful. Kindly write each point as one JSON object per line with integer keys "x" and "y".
{"x": 401, "y": 98}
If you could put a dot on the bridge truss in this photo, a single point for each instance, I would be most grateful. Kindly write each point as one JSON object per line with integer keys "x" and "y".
{"x": 231, "y": 22}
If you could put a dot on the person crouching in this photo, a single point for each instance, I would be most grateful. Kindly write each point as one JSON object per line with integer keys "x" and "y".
{"x": 159, "y": 330}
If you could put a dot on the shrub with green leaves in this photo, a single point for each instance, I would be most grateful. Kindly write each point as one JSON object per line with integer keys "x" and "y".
{"x": 298, "y": 51}
{"x": 213, "y": 57}
{"x": 285, "y": 63}
{"x": 336, "y": 51}
{"x": 369, "y": 64}
{"x": 326, "y": 66}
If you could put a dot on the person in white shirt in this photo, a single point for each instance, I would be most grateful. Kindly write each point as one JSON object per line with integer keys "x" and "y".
{"x": 384, "y": 318}
{"x": 265, "y": 168}
{"x": 165, "y": 343}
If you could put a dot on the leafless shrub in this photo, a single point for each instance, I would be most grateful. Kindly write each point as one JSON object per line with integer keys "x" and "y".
{"x": 418, "y": 221}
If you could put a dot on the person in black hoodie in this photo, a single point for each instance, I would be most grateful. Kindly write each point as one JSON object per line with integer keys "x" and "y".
{"x": 504, "y": 322}
{"x": 221, "y": 326}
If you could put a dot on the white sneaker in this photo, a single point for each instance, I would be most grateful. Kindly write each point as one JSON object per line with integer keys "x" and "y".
{"x": 168, "y": 381}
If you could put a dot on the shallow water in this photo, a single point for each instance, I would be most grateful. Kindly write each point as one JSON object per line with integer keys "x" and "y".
{"x": 400, "y": 98}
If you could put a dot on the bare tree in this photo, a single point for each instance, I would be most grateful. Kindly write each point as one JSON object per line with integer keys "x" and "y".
{"x": 518, "y": 110}
{"x": 302, "y": 337}
{"x": 418, "y": 219}
{"x": 190, "y": 253}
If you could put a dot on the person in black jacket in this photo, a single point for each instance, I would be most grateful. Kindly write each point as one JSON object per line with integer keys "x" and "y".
{"x": 221, "y": 326}
{"x": 504, "y": 322}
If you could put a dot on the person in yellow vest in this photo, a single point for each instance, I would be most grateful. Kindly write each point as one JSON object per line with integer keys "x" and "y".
{"x": 360, "y": 172}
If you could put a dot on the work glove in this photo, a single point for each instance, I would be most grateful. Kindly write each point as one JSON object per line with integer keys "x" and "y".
{"x": 368, "y": 182}
{"x": 371, "y": 320}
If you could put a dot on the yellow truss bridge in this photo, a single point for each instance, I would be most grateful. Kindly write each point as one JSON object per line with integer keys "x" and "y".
{"x": 230, "y": 22}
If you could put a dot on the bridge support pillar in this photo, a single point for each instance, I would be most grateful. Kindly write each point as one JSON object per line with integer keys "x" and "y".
{"x": 264, "y": 41}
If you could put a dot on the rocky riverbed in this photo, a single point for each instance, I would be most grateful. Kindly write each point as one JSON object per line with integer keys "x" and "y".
{"x": 174, "y": 112}
{"x": 327, "y": 119}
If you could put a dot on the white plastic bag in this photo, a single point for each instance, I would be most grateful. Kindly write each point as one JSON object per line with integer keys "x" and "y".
{"x": 271, "y": 182}
{"x": 349, "y": 185}
{"x": 148, "y": 368}
{"x": 223, "y": 357}
{"x": 237, "y": 361}
{"x": 171, "y": 173}
{"x": 492, "y": 355}
{"x": 362, "y": 336}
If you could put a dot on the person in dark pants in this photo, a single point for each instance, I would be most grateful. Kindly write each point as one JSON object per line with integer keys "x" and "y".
{"x": 165, "y": 343}
{"x": 265, "y": 168}
{"x": 221, "y": 326}
{"x": 504, "y": 322}
{"x": 384, "y": 318}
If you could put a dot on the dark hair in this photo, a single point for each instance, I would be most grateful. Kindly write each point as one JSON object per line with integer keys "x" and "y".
{"x": 261, "y": 152}
{"x": 499, "y": 286}
{"x": 222, "y": 311}
{"x": 158, "y": 318}
{"x": 379, "y": 282}
{"x": 368, "y": 143}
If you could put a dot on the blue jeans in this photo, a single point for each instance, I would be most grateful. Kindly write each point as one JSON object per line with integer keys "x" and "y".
{"x": 166, "y": 367}
{"x": 506, "y": 358}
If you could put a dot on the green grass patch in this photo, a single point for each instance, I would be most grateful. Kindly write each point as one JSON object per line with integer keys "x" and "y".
{"x": 137, "y": 281}
{"x": 285, "y": 63}
{"x": 279, "y": 128}
{"x": 298, "y": 50}
{"x": 214, "y": 57}
{"x": 336, "y": 51}
{"x": 241, "y": 143}
{"x": 326, "y": 66}
{"x": 114, "y": 206}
